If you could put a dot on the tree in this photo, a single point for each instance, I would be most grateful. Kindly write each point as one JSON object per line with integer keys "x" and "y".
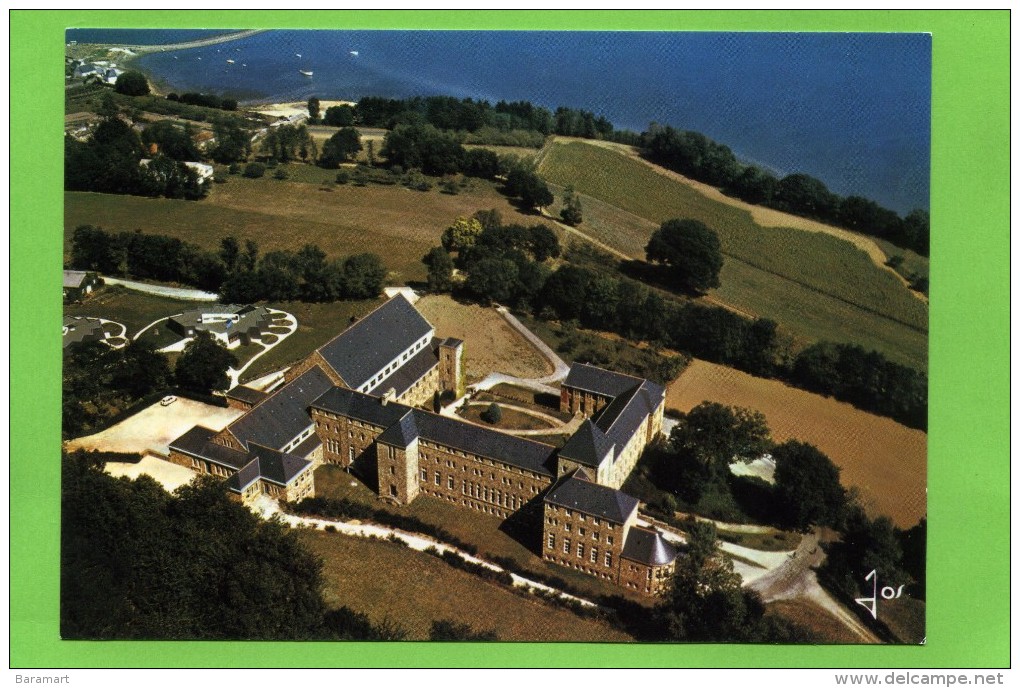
{"x": 493, "y": 414}
{"x": 132, "y": 83}
{"x": 717, "y": 435}
{"x": 94, "y": 249}
{"x": 462, "y": 234}
{"x": 807, "y": 486}
{"x": 571, "y": 212}
{"x": 690, "y": 251}
{"x": 233, "y": 142}
{"x": 139, "y": 563}
{"x": 363, "y": 276}
{"x": 440, "y": 266}
{"x": 143, "y": 370}
{"x": 313, "y": 110}
{"x": 254, "y": 170}
{"x": 171, "y": 140}
{"x": 543, "y": 243}
{"x": 203, "y": 365}
{"x": 341, "y": 147}
{"x": 339, "y": 116}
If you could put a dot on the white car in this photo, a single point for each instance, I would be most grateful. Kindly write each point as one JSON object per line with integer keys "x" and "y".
{"x": 166, "y": 401}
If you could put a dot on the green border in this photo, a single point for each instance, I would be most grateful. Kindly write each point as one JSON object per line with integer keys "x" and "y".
{"x": 968, "y": 587}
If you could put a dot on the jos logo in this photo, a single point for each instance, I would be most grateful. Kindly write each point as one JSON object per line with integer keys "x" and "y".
{"x": 887, "y": 593}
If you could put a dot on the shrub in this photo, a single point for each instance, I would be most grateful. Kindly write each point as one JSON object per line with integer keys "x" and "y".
{"x": 234, "y": 168}
{"x": 493, "y": 414}
{"x": 254, "y": 170}
{"x": 343, "y": 176}
{"x": 280, "y": 173}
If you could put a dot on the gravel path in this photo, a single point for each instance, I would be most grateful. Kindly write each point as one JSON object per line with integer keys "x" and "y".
{"x": 159, "y": 290}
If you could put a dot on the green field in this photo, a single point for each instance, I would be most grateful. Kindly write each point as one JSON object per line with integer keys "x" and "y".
{"x": 133, "y": 309}
{"x": 816, "y": 285}
{"x": 392, "y": 583}
{"x": 399, "y": 224}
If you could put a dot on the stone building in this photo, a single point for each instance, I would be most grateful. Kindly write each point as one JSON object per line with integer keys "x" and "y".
{"x": 362, "y": 402}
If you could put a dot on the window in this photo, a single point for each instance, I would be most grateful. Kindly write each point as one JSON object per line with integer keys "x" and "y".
{"x": 424, "y": 474}
{"x": 580, "y": 531}
{"x": 594, "y": 555}
{"x": 393, "y": 490}
{"x": 594, "y": 536}
{"x": 566, "y": 545}
{"x": 552, "y": 541}
{"x": 438, "y": 477}
{"x": 580, "y": 550}
{"x": 449, "y": 482}
{"x": 566, "y": 527}
{"x": 569, "y": 513}
{"x": 598, "y": 521}
{"x": 581, "y": 516}
{"x": 649, "y": 574}
{"x": 609, "y": 539}
{"x": 609, "y": 559}
{"x": 393, "y": 471}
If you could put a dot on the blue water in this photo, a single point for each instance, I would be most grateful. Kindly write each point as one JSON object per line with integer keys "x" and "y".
{"x": 851, "y": 109}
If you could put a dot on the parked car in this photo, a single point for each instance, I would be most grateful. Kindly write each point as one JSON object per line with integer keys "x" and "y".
{"x": 167, "y": 400}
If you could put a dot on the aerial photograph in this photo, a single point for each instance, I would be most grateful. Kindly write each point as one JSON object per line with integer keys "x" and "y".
{"x": 495, "y": 336}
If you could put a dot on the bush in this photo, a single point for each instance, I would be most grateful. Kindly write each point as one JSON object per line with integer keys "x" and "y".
{"x": 234, "y": 168}
{"x": 343, "y": 176}
{"x": 493, "y": 414}
{"x": 220, "y": 179}
{"x": 280, "y": 174}
{"x": 254, "y": 170}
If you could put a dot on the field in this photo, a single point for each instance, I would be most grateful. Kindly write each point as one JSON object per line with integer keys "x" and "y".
{"x": 884, "y": 460}
{"x": 392, "y": 583}
{"x": 490, "y": 344}
{"x": 399, "y": 224}
{"x": 828, "y": 275}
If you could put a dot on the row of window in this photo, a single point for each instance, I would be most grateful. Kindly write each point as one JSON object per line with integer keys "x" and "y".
{"x": 593, "y": 552}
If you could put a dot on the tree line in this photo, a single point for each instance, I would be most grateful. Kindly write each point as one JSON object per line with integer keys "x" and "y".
{"x": 699, "y": 157}
{"x": 140, "y": 563}
{"x": 110, "y": 162}
{"x": 500, "y": 264}
{"x": 237, "y": 272}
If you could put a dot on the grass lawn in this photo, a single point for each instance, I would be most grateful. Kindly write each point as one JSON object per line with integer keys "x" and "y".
{"x": 398, "y": 224}
{"x": 317, "y": 324}
{"x": 884, "y": 460}
{"x": 772, "y": 541}
{"x": 822, "y": 625}
{"x": 391, "y": 582}
{"x": 488, "y": 533}
{"x": 831, "y": 275}
{"x": 132, "y": 309}
{"x": 490, "y": 344}
{"x": 510, "y": 418}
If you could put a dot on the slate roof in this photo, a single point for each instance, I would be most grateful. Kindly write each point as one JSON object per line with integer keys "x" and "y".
{"x": 78, "y": 330}
{"x": 414, "y": 369}
{"x": 599, "y": 380}
{"x": 621, "y": 418}
{"x": 402, "y": 433}
{"x": 74, "y": 278}
{"x": 587, "y": 446}
{"x": 284, "y": 415}
{"x": 198, "y": 442}
{"x": 648, "y": 547}
{"x": 597, "y": 500}
{"x": 363, "y": 407}
{"x": 246, "y": 394}
{"x": 276, "y": 466}
{"x": 366, "y": 347}
{"x": 449, "y": 432}
{"x": 307, "y": 446}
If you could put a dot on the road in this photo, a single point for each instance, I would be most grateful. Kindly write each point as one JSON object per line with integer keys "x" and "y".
{"x": 159, "y": 290}
{"x": 212, "y": 40}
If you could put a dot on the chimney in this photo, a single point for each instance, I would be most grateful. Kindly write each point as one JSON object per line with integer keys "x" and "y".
{"x": 390, "y": 395}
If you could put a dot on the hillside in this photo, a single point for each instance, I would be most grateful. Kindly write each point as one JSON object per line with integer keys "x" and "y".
{"x": 817, "y": 285}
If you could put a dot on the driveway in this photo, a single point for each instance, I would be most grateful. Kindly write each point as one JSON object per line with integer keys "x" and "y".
{"x": 159, "y": 290}
{"x": 169, "y": 475}
{"x": 153, "y": 428}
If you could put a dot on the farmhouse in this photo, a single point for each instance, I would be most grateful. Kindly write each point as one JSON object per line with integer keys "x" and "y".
{"x": 229, "y": 325}
{"x": 358, "y": 402}
{"x": 78, "y": 284}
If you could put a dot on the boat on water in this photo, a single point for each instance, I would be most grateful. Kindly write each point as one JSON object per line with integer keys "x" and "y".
{"x": 354, "y": 52}
{"x": 230, "y": 62}
{"x": 297, "y": 54}
{"x": 306, "y": 73}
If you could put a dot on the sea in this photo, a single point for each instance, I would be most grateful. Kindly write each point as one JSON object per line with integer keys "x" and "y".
{"x": 852, "y": 109}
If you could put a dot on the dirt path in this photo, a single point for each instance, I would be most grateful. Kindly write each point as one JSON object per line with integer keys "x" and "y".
{"x": 765, "y": 217}
{"x": 202, "y": 42}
